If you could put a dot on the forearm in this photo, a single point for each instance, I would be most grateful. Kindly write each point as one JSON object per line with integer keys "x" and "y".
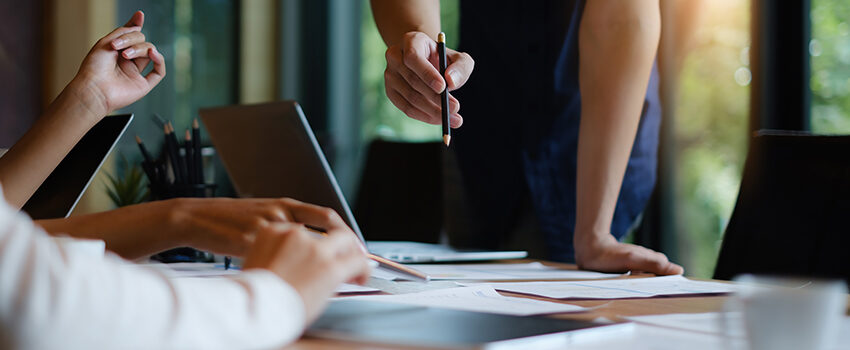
{"x": 131, "y": 232}
{"x": 394, "y": 18}
{"x": 28, "y": 163}
{"x": 617, "y": 46}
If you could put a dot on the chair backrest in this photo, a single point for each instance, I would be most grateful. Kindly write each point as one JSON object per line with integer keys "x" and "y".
{"x": 401, "y": 192}
{"x": 793, "y": 209}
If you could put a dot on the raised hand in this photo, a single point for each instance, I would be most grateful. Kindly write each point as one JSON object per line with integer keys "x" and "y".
{"x": 110, "y": 76}
{"x": 413, "y": 82}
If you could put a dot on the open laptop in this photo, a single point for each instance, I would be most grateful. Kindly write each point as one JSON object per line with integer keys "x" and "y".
{"x": 269, "y": 151}
{"x": 59, "y": 193}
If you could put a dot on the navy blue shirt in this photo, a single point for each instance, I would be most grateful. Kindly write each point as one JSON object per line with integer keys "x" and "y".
{"x": 521, "y": 109}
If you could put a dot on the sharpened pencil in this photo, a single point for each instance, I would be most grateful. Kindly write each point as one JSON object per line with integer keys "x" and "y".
{"x": 444, "y": 96}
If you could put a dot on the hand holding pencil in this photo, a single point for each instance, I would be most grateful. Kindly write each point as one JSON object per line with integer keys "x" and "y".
{"x": 413, "y": 81}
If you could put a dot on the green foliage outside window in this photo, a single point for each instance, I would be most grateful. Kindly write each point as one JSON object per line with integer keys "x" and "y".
{"x": 830, "y": 66}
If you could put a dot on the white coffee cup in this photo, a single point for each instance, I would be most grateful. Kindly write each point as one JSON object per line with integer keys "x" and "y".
{"x": 782, "y": 313}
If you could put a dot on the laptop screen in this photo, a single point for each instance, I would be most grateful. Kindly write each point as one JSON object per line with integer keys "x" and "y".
{"x": 59, "y": 193}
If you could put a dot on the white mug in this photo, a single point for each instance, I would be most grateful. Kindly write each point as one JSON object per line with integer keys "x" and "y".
{"x": 781, "y": 313}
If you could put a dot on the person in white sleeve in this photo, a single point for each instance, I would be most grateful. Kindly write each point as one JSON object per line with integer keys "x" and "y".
{"x": 54, "y": 296}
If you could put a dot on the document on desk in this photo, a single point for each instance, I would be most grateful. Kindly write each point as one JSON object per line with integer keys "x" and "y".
{"x": 616, "y": 288}
{"x": 185, "y": 270}
{"x": 478, "y": 299}
{"x": 707, "y": 322}
{"x": 497, "y": 272}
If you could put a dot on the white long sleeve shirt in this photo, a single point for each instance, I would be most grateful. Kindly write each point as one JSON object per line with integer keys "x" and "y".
{"x": 54, "y": 297}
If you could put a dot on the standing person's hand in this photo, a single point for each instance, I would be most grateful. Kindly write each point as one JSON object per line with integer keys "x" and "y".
{"x": 110, "y": 76}
{"x": 607, "y": 255}
{"x": 313, "y": 266}
{"x": 413, "y": 82}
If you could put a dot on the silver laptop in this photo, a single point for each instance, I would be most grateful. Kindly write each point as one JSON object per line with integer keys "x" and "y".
{"x": 269, "y": 151}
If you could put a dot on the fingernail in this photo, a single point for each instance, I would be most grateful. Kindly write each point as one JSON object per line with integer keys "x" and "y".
{"x": 129, "y": 52}
{"x": 455, "y": 76}
{"x": 437, "y": 85}
{"x": 118, "y": 42}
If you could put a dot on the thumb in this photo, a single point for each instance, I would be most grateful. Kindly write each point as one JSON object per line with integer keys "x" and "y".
{"x": 137, "y": 20}
{"x": 459, "y": 70}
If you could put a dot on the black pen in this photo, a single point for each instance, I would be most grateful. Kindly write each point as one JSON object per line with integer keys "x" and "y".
{"x": 444, "y": 96}
{"x": 227, "y": 261}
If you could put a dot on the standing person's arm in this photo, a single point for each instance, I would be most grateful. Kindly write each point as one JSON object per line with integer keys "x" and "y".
{"x": 412, "y": 79}
{"x": 617, "y": 47}
{"x": 109, "y": 78}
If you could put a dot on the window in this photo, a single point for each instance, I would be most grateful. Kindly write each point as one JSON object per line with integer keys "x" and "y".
{"x": 830, "y": 66}
{"x": 199, "y": 42}
{"x": 710, "y": 112}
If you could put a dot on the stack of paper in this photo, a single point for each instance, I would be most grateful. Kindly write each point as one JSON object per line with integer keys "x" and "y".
{"x": 478, "y": 298}
{"x": 616, "y": 288}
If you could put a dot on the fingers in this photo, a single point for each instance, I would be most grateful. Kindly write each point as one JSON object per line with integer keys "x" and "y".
{"x": 643, "y": 259}
{"x": 408, "y": 109}
{"x": 401, "y": 74}
{"x": 158, "y": 72}
{"x": 353, "y": 264}
{"x": 115, "y": 34}
{"x": 416, "y": 50}
{"x": 313, "y": 215}
{"x": 136, "y": 20}
{"x": 137, "y": 50}
{"x": 414, "y": 84}
{"x": 128, "y": 39}
{"x": 459, "y": 70}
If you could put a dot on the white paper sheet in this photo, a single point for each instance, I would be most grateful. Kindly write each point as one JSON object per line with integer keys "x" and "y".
{"x": 181, "y": 270}
{"x": 616, "y": 289}
{"x": 478, "y": 298}
{"x": 184, "y": 270}
{"x": 495, "y": 272}
{"x": 347, "y": 288}
{"x": 707, "y": 323}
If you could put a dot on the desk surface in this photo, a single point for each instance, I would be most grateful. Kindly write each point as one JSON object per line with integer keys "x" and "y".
{"x": 616, "y": 308}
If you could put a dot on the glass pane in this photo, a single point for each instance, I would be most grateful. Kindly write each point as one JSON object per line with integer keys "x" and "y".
{"x": 711, "y": 120}
{"x": 830, "y": 66}
{"x": 198, "y": 40}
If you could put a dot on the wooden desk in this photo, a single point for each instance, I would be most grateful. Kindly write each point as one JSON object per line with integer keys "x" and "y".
{"x": 616, "y": 309}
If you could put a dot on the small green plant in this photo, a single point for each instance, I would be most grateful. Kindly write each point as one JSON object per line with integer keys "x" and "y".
{"x": 130, "y": 188}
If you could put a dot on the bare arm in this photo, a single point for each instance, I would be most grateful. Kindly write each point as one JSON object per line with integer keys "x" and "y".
{"x": 224, "y": 226}
{"x": 109, "y": 78}
{"x": 617, "y": 46}
{"x": 394, "y": 18}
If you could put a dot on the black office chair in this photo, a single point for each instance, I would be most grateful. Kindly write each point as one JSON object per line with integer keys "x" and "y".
{"x": 793, "y": 209}
{"x": 401, "y": 192}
